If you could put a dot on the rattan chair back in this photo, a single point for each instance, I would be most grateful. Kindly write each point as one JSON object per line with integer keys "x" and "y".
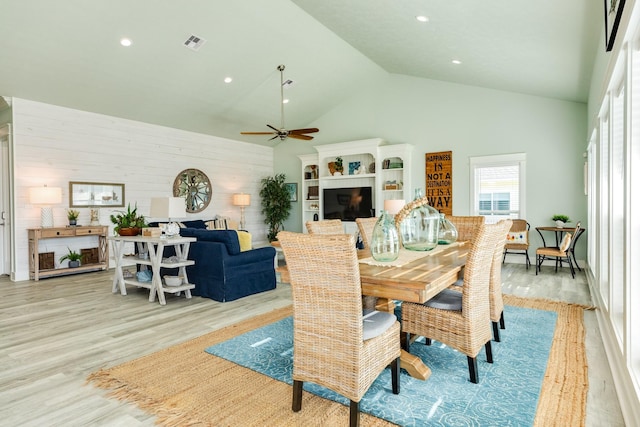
{"x": 467, "y": 226}
{"x": 496, "y": 304}
{"x": 325, "y": 226}
{"x": 327, "y": 317}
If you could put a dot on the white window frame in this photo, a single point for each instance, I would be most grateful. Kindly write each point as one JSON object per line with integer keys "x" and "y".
{"x": 515, "y": 159}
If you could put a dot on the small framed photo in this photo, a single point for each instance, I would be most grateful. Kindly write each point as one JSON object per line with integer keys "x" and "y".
{"x": 292, "y": 188}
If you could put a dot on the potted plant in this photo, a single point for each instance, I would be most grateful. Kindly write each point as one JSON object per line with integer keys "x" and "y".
{"x": 276, "y": 204}
{"x": 72, "y": 216}
{"x": 73, "y": 257}
{"x": 561, "y": 220}
{"x": 129, "y": 222}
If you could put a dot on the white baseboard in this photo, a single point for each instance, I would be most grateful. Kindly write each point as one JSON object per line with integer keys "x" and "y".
{"x": 628, "y": 396}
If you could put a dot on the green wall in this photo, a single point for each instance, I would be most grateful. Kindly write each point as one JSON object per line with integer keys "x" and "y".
{"x": 470, "y": 121}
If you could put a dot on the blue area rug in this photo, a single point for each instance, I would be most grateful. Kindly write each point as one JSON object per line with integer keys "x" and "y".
{"x": 507, "y": 394}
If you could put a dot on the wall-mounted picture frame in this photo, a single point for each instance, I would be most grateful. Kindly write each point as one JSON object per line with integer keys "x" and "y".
{"x": 612, "y": 15}
{"x": 292, "y": 188}
{"x": 95, "y": 194}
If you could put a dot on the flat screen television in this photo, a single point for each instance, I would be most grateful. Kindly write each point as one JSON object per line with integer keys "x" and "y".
{"x": 347, "y": 204}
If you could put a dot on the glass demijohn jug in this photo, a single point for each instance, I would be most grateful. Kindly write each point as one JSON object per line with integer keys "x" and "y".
{"x": 419, "y": 229}
{"x": 448, "y": 232}
{"x": 385, "y": 245}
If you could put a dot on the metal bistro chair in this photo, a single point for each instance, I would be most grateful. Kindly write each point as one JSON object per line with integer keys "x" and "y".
{"x": 335, "y": 343}
{"x": 561, "y": 254}
{"x": 518, "y": 240}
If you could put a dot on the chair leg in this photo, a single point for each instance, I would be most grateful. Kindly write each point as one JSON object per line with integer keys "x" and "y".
{"x": 502, "y": 320}
{"x": 354, "y": 414}
{"x": 473, "y": 369}
{"x": 528, "y": 263}
{"x": 487, "y": 350}
{"x": 427, "y": 341}
{"x": 496, "y": 332}
{"x": 395, "y": 376}
{"x": 538, "y": 262}
{"x": 297, "y": 396}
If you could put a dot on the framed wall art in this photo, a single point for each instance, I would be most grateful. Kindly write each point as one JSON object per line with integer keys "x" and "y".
{"x": 95, "y": 194}
{"x": 292, "y": 188}
{"x": 612, "y": 15}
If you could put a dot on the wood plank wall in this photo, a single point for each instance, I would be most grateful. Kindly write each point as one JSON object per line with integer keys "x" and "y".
{"x": 54, "y": 145}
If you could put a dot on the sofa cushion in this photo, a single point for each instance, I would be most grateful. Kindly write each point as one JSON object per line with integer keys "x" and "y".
{"x": 228, "y": 237}
{"x": 244, "y": 237}
{"x": 196, "y": 223}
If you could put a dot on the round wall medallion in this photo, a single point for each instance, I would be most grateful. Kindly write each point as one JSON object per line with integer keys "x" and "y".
{"x": 195, "y": 187}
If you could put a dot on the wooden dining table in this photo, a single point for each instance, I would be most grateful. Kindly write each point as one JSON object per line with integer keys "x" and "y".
{"x": 416, "y": 280}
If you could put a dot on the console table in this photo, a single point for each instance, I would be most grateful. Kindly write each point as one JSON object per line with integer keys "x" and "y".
{"x": 38, "y": 234}
{"x": 154, "y": 246}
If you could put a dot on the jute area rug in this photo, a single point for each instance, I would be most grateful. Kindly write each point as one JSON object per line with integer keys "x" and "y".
{"x": 183, "y": 385}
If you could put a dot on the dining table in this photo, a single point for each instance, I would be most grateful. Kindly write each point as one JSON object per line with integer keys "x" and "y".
{"x": 416, "y": 276}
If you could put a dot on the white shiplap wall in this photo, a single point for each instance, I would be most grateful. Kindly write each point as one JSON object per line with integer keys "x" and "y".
{"x": 55, "y": 145}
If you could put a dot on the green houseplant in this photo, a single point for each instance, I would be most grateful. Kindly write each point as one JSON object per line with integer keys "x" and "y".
{"x": 129, "y": 222}
{"x": 73, "y": 257}
{"x": 560, "y": 220}
{"x": 72, "y": 216}
{"x": 276, "y": 205}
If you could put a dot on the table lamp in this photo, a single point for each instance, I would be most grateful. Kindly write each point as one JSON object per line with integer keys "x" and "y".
{"x": 170, "y": 208}
{"x": 45, "y": 197}
{"x": 243, "y": 200}
{"x": 393, "y": 206}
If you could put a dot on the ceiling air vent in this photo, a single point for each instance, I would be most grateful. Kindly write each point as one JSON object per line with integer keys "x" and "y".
{"x": 194, "y": 42}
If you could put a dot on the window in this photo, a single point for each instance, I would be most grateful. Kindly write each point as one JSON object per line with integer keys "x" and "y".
{"x": 497, "y": 183}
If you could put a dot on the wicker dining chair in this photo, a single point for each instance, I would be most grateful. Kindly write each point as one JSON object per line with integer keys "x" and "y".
{"x": 325, "y": 226}
{"x": 518, "y": 241}
{"x": 365, "y": 226}
{"x": 467, "y": 226}
{"x": 496, "y": 303}
{"x": 461, "y": 320}
{"x": 334, "y": 343}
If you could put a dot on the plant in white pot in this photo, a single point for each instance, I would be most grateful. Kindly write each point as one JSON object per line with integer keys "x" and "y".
{"x": 561, "y": 220}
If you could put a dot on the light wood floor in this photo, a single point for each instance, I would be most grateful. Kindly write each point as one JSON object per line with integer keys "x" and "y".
{"x": 56, "y": 331}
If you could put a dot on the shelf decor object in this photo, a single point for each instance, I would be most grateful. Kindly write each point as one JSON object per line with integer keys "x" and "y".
{"x": 45, "y": 197}
{"x": 243, "y": 200}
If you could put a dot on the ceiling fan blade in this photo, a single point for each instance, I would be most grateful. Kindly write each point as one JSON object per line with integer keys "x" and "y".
{"x": 308, "y": 130}
{"x": 277, "y": 130}
{"x": 276, "y": 136}
{"x": 256, "y": 133}
{"x": 297, "y": 136}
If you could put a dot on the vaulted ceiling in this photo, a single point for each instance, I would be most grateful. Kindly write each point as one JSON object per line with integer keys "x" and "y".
{"x": 68, "y": 53}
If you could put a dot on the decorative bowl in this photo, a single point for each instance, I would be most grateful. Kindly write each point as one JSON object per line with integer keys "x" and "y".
{"x": 173, "y": 280}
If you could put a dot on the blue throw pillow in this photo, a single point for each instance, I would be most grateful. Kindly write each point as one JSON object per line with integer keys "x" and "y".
{"x": 196, "y": 223}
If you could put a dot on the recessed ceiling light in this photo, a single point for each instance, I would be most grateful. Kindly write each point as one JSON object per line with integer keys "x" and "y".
{"x": 125, "y": 42}
{"x": 228, "y": 79}
{"x": 422, "y": 18}
{"x": 456, "y": 61}
{"x": 285, "y": 101}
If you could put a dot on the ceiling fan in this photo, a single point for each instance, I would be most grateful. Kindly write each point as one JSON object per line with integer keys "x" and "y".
{"x": 283, "y": 133}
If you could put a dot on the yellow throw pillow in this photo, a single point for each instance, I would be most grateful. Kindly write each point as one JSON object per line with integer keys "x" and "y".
{"x": 244, "y": 238}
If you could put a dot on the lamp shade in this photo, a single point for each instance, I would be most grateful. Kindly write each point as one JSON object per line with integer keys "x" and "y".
{"x": 393, "y": 206}
{"x": 241, "y": 199}
{"x": 168, "y": 207}
{"x": 45, "y": 195}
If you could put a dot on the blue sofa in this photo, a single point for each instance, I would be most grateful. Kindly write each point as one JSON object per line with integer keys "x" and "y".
{"x": 222, "y": 272}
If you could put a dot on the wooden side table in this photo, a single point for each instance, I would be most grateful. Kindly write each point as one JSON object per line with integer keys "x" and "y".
{"x": 154, "y": 246}
{"x": 38, "y": 234}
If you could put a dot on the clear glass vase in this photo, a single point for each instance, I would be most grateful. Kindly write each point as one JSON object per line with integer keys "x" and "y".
{"x": 385, "y": 245}
{"x": 419, "y": 229}
{"x": 448, "y": 232}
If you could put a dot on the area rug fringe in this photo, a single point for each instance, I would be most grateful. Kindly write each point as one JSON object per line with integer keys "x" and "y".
{"x": 184, "y": 386}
